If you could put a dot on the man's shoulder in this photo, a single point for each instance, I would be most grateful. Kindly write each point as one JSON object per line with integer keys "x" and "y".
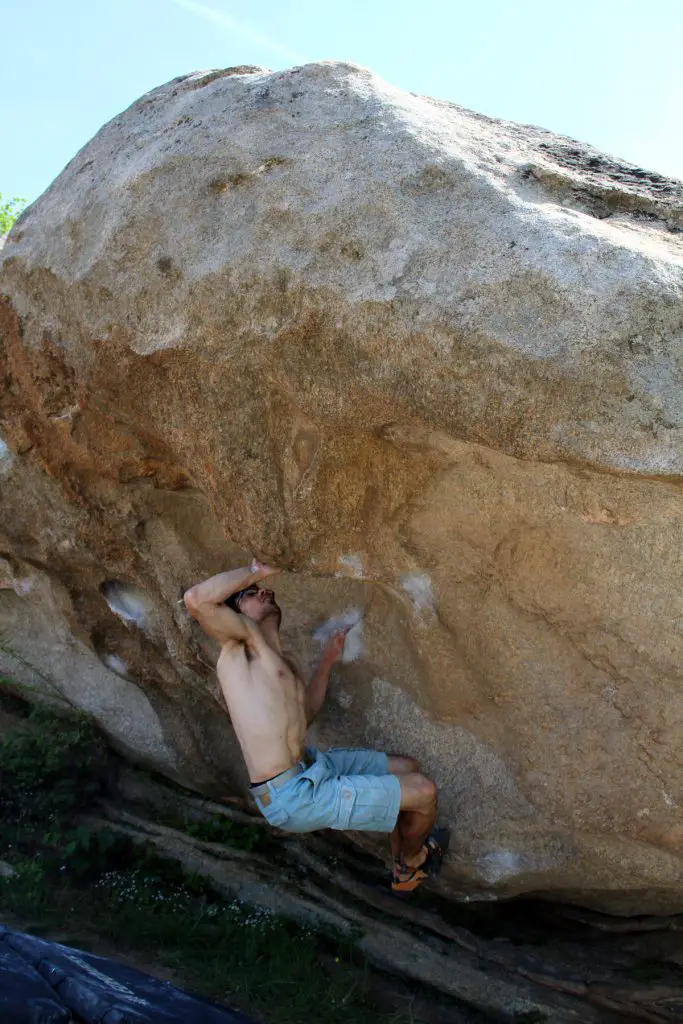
{"x": 246, "y": 644}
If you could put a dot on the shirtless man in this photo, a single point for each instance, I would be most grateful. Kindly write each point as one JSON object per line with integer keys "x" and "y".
{"x": 297, "y": 788}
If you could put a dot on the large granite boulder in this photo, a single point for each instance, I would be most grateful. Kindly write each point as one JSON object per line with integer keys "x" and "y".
{"x": 431, "y": 364}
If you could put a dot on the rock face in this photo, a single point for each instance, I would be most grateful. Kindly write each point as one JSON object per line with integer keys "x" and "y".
{"x": 428, "y": 362}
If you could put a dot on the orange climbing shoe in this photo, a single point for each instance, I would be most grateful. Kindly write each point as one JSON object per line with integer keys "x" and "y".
{"x": 406, "y": 879}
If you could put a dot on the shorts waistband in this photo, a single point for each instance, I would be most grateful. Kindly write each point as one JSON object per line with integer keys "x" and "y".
{"x": 284, "y": 777}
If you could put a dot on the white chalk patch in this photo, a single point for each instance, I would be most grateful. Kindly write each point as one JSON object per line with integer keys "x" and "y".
{"x": 352, "y": 565}
{"x": 22, "y": 587}
{"x": 126, "y": 601}
{"x": 116, "y": 664}
{"x": 418, "y": 587}
{"x": 6, "y": 459}
{"x": 668, "y": 800}
{"x": 68, "y": 413}
{"x": 344, "y": 699}
{"x": 353, "y": 646}
{"x": 499, "y": 864}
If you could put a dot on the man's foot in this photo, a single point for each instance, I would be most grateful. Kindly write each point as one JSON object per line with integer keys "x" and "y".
{"x": 437, "y": 843}
{"x": 407, "y": 878}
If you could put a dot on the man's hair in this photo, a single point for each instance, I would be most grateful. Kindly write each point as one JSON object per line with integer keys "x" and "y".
{"x": 233, "y": 601}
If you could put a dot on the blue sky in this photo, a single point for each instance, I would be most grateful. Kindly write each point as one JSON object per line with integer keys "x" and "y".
{"x": 608, "y": 72}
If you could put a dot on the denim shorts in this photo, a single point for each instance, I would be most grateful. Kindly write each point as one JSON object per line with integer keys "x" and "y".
{"x": 343, "y": 788}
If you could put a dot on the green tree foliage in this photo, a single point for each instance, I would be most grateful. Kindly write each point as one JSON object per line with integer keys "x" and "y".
{"x": 9, "y": 211}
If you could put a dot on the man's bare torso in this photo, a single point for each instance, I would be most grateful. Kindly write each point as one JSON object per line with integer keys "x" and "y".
{"x": 266, "y": 700}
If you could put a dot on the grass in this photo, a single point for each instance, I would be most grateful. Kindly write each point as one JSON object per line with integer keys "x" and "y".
{"x": 219, "y": 829}
{"x": 646, "y": 971}
{"x": 88, "y": 886}
{"x": 227, "y": 951}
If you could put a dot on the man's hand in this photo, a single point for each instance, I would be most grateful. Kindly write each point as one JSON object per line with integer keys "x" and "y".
{"x": 317, "y": 688}
{"x": 335, "y": 645}
{"x": 263, "y": 571}
{"x": 215, "y": 590}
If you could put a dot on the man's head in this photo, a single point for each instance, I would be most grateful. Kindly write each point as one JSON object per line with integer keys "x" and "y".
{"x": 257, "y": 603}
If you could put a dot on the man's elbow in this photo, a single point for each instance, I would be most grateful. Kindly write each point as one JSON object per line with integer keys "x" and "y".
{"x": 191, "y": 601}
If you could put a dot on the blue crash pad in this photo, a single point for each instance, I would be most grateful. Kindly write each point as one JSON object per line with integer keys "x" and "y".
{"x": 45, "y": 983}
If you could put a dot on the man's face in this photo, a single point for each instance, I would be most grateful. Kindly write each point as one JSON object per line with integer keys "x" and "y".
{"x": 258, "y": 603}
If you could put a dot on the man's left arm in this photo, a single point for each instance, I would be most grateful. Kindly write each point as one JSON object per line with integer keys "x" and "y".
{"x": 317, "y": 688}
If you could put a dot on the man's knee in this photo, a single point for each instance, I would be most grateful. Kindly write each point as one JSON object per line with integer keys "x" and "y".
{"x": 428, "y": 789}
{"x": 418, "y": 793}
{"x": 399, "y": 764}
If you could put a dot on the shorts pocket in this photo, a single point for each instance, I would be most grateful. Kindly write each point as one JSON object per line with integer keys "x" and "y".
{"x": 347, "y": 798}
{"x": 275, "y": 815}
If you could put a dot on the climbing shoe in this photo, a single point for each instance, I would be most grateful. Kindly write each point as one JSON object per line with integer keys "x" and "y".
{"x": 407, "y": 879}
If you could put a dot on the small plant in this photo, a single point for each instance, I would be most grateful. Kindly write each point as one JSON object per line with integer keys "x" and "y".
{"x": 646, "y": 970}
{"x": 10, "y": 209}
{"x": 220, "y": 829}
{"x": 81, "y": 852}
{"x": 50, "y": 769}
{"x": 31, "y": 880}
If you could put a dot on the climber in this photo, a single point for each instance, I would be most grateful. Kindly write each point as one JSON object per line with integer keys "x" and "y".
{"x": 297, "y": 788}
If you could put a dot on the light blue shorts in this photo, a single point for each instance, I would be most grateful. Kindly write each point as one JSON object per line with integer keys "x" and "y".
{"x": 343, "y": 788}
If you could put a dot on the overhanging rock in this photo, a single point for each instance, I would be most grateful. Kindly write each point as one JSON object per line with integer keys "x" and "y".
{"x": 428, "y": 361}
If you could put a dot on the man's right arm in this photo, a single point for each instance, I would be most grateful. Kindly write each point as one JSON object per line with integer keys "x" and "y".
{"x": 205, "y": 601}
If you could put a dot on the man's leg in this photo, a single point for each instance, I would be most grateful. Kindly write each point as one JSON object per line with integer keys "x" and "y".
{"x": 416, "y": 817}
{"x": 417, "y": 812}
{"x": 358, "y": 761}
{"x": 400, "y": 765}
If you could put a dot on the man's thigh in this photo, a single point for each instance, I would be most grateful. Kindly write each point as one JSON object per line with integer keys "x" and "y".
{"x": 375, "y": 803}
{"x": 357, "y": 761}
{"x": 368, "y": 803}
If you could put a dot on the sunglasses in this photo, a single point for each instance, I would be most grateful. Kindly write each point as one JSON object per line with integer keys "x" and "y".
{"x": 252, "y": 591}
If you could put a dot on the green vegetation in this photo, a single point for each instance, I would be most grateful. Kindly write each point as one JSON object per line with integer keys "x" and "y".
{"x": 646, "y": 970}
{"x": 93, "y": 886}
{"x": 50, "y": 769}
{"x": 222, "y": 830}
{"x": 225, "y": 950}
{"x": 9, "y": 211}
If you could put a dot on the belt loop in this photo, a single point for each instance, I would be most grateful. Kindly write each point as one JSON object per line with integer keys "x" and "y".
{"x": 280, "y": 780}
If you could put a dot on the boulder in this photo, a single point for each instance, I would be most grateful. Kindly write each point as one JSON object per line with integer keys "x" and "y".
{"x": 427, "y": 361}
